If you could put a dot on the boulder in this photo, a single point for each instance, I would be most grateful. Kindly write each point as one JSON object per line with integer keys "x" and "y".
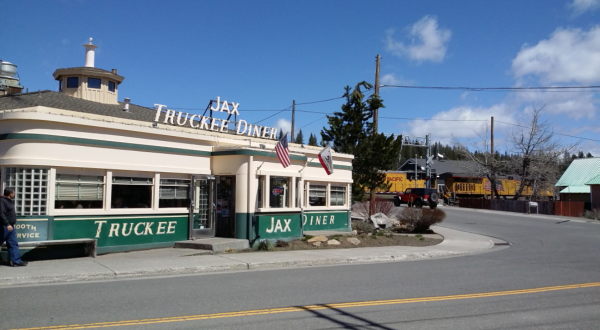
{"x": 380, "y": 220}
{"x": 317, "y": 244}
{"x": 318, "y": 239}
{"x": 354, "y": 232}
{"x": 353, "y": 240}
{"x": 333, "y": 242}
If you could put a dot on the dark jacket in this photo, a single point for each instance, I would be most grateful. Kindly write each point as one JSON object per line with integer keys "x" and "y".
{"x": 8, "y": 216}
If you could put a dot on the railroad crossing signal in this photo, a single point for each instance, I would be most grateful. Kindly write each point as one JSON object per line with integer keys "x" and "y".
{"x": 429, "y": 160}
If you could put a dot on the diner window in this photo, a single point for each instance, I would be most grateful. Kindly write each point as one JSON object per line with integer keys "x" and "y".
{"x": 79, "y": 192}
{"x": 317, "y": 195}
{"x": 279, "y": 191}
{"x": 130, "y": 192}
{"x": 72, "y": 82}
{"x": 30, "y": 186}
{"x": 337, "y": 196}
{"x": 174, "y": 193}
{"x": 111, "y": 86}
{"x": 94, "y": 83}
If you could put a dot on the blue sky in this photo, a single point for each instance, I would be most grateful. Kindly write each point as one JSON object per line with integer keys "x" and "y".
{"x": 264, "y": 54}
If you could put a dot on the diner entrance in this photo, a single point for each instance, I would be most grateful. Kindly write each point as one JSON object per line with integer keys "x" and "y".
{"x": 202, "y": 207}
{"x": 212, "y": 206}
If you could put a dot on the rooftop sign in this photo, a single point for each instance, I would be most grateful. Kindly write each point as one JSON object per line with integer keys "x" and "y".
{"x": 180, "y": 118}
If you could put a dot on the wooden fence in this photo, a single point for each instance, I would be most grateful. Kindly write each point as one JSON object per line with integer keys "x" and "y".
{"x": 568, "y": 209}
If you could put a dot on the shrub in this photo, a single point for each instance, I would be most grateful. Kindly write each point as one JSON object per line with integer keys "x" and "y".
{"x": 595, "y": 214}
{"x": 264, "y": 245}
{"x": 385, "y": 206}
{"x": 419, "y": 220}
{"x": 362, "y": 227}
{"x": 307, "y": 237}
{"x": 281, "y": 243}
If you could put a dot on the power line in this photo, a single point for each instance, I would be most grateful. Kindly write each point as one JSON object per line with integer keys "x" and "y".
{"x": 479, "y": 89}
{"x": 528, "y": 127}
{"x": 335, "y": 98}
{"x": 312, "y": 122}
{"x": 273, "y": 115}
{"x": 432, "y": 119}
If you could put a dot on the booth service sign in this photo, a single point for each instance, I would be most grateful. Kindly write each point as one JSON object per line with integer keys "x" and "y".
{"x": 180, "y": 118}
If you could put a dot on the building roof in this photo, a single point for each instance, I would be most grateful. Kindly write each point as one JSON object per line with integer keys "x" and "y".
{"x": 66, "y": 102}
{"x": 456, "y": 167}
{"x": 576, "y": 190}
{"x": 594, "y": 180}
{"x": 578, "y": 174}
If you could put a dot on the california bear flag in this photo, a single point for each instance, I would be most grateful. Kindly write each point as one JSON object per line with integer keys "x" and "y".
{"x": 326, "y": 160}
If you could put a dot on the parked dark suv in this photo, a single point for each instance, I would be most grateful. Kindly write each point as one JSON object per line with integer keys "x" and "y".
{"x": 418, "y": 197}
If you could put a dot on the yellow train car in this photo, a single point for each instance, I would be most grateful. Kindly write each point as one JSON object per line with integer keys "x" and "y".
{"x": 481, "y": 187}
{"x": 400, "y": 181}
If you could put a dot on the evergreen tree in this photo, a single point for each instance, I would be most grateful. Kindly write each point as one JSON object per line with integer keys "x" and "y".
{"x": 280, "y": 135}
{"x": 312, "y": 140}
{"x": 580, "y": 155}
{"x": 589, "y": 155}
{"x": 351, "y": 132}
{"x": 299, "y": 138}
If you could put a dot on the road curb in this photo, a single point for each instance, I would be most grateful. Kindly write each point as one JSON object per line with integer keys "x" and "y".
{"x": 240, "y": 266}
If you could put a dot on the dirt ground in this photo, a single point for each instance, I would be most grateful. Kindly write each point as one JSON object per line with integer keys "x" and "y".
{"x": 365, "y": 241}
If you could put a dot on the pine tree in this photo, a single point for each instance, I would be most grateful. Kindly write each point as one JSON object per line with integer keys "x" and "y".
{"x": 299, "y": 138}
{"x": 351, "y": 132}
{"x": 312, "y": 140}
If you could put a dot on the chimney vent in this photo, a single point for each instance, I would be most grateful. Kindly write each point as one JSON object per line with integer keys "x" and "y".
{"x": 90, "y": 54}
{"x": 126, "y": 106}
{"x": 114, "y": 71}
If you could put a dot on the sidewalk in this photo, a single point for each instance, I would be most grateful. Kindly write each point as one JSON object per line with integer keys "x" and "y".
{"x": 171, "y": 261}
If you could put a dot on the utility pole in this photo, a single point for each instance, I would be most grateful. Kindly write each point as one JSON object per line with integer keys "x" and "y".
{"x": 428, "y": 161}
{"x": 293, "y": 119}
{"x": 492, "y": 184}
{"x": 376, "y": 114}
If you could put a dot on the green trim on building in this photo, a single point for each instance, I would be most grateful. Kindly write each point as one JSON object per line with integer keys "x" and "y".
{"x": 151, "y": 148}
{"x": 125, "y": 248}
{"x": 339, "y": 167}
{"x": 247, "y": 152}
{"x": 326, "y": 220}
{"x": 278, "y": 226}
{"x": 101, "y": 143}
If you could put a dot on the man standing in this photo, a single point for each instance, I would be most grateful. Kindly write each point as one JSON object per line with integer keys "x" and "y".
{"x": 8, "y": 216}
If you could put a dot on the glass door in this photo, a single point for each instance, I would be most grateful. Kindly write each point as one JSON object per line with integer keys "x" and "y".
{"x": 202, "y": 206}
{"x": 225, "y": 218}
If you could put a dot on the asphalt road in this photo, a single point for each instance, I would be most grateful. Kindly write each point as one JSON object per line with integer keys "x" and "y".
{"x": 549, "y": 278}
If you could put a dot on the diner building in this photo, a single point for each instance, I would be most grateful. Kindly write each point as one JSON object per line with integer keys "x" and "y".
{"x": 87, "y": 166}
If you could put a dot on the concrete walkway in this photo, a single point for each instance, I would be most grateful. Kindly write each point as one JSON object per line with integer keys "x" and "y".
{"x": 172, "y": 261}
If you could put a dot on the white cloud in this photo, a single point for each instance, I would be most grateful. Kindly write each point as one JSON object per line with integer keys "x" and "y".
{"x": 568, "y": 56}
{"x": 579, "y": 7}
{"x": 444, "y": 129}
{"x": 575, "y": 105}
{"x": 283, "y": 125}
{"x": 428, "y": 42}
{"x": 391, "y": 79}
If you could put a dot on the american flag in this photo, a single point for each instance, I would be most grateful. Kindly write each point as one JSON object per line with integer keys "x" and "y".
{"x": 283, "y": 153}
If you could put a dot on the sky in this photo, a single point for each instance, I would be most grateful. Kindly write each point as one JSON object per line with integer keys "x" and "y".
{"x": 266, "y": 54}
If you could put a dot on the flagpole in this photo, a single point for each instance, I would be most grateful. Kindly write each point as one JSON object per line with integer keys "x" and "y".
{"x": 270, "y": 153}
{"x": 306, "y": 164}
